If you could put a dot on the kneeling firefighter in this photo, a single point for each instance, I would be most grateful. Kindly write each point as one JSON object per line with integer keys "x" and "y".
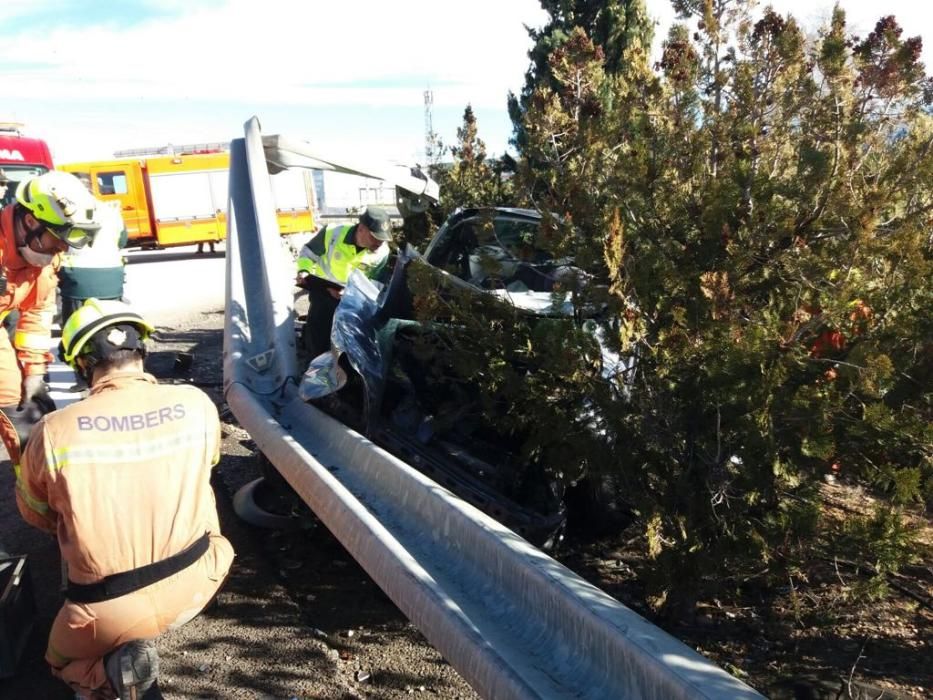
{"x": 123, "y": 479}
{"x": 52, "y": 213}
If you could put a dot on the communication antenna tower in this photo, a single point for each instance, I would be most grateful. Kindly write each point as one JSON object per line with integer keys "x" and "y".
{"x": 428, "y": 128}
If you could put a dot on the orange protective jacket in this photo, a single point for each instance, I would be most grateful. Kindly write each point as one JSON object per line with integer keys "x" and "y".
{"x": 123, "y": 477}
{"x": 31, "y": 290}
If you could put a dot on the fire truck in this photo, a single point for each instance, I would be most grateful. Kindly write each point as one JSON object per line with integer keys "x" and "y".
{"x": 177, "y": 195}
{"x": 21, "y": 157}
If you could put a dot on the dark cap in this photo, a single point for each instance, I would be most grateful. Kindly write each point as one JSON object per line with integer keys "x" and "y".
{"x": 120, "y": 336}
{"x": 377, "y": 221}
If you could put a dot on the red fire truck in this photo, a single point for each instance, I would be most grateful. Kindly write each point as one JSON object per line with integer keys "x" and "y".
{"x": 21, "y": 157}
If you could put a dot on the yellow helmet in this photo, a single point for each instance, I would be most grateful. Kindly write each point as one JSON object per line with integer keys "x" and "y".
{"x": 94, "y": 316}
{"x": 63, "y": 204}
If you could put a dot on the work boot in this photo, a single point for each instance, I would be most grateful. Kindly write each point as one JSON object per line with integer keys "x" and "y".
{"x": 79, "y": 387}
{"x": 133, "y": 670}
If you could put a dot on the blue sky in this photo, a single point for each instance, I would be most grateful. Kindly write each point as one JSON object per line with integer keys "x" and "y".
{"x": 93, "y": 77}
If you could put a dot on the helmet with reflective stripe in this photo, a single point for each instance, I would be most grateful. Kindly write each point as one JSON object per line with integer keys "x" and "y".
{"x": 96, "y": 315}
{"x": 63, "y": 204}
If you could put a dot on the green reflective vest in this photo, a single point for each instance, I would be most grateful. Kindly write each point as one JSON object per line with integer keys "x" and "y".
{"x": 340, "y": 257}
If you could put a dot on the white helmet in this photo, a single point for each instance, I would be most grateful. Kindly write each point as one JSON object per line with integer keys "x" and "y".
{"x": 63, "y": 204}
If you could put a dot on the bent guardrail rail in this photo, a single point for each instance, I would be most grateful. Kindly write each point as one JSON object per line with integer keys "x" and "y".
{"x": 513, "y": 622}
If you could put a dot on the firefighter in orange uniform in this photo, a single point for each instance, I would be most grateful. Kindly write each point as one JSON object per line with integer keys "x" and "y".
{"x": 52, "y": 212}
{"x": 123, "y": 479}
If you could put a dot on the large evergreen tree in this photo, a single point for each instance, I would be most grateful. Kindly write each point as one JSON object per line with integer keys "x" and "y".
{"x": 760, "y": 213}
{"x": 618, "y": 27}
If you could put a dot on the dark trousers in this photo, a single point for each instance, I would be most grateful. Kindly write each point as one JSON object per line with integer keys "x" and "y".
{"x": 315, "y": 335}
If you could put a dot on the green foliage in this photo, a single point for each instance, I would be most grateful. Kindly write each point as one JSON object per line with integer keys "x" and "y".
{"x": 516, "y": 368}
{"x": 758, "y": 209}
{"x": 619, "y": 27}
{"x": 881, "y": 540}
{"x": 471, "y": 178}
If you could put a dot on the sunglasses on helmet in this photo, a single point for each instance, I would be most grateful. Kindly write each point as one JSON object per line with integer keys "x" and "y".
{"x": 74, "y": 237}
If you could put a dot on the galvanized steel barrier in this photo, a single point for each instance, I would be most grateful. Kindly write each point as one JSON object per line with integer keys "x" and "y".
{"x": 513, "y": 622}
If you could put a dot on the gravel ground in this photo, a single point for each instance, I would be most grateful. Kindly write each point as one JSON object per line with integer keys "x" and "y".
{"x": 298, "y": 618}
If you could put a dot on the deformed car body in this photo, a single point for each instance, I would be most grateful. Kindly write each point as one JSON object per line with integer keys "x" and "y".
{"x": 389, "y": 373}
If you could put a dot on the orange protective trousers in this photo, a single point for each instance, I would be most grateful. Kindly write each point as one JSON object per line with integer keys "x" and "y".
{"x": 11, "y": 376}
{"x": 83, "y": 633}
{"x": 10, "y": 383}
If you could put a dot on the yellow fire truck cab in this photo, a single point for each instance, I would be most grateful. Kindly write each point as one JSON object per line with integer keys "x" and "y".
{"x": 181, "y": 198}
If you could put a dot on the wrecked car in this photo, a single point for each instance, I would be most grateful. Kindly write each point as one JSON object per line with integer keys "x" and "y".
{"x": 411, "y": 364}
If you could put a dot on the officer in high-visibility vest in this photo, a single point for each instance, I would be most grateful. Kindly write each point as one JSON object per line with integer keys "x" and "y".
{"x": 122, "y": 478}
{"x": 325, "y": 263}
{"x": 96, "y": 271}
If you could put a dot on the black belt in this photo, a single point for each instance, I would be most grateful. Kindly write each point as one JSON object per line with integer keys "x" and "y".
{"x": 116, "y": 585}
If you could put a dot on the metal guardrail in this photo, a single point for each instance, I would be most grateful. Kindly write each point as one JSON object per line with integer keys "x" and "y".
{"x": 513, "y": 622}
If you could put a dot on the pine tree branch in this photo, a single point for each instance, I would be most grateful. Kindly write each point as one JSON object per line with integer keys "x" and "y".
{"x": 889, "y": 576}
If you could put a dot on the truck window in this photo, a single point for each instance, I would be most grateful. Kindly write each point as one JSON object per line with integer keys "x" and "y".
{"x": 16, "y": 174}
{"x": 181, "y": 196}
{"x": 112, "y": 183}
{"x": 84, "y": 177}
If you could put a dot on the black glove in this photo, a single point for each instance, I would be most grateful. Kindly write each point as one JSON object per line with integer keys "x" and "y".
{"x": 36, "y": 399}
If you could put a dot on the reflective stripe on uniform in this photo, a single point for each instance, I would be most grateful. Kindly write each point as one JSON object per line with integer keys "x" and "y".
{"x": 142, "y": 451}
{"x": 40, "y": 507}
{"x": 323, "y": 266}
{"x": 338, "y": 268}
{"x": 31, "y": 341}
{"x": 311, "y": 262}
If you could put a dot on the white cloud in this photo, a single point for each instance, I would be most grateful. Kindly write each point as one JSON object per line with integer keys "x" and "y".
{"x": 233, "y": 50}
{"x": 196, "y": 71}
{"x": 185, "y": 72}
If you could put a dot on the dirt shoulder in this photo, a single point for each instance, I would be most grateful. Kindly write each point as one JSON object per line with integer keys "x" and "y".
{"x": 813, "y": 635}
